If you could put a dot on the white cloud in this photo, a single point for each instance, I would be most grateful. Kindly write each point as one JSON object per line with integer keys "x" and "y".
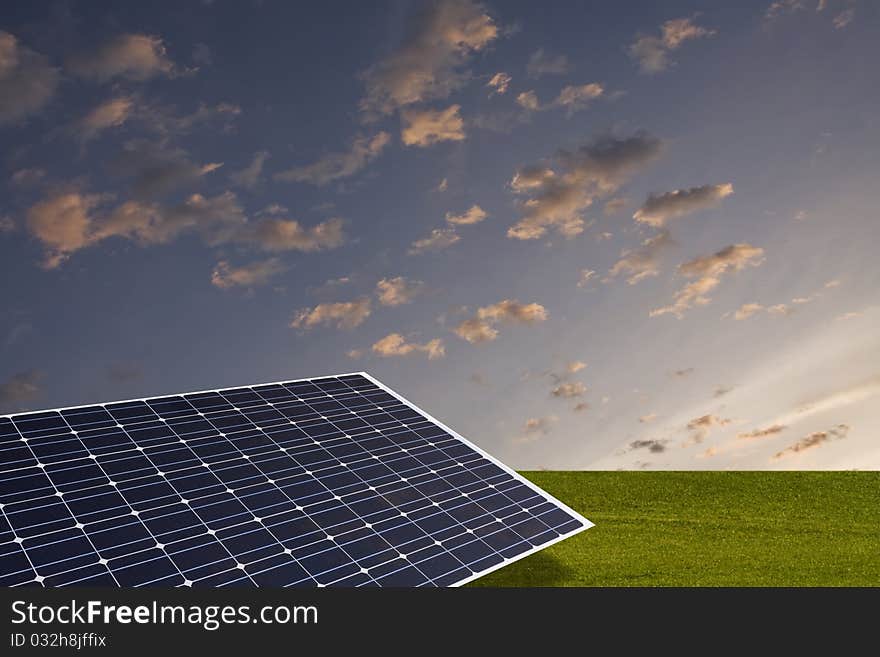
{"x": 398, "y": 291}
{"x": 575, "y": 366}
{"x": 585, "y": 276}
{"x": 482, "y": 326}
{"x": 130, "y": 56}
{"x": 542, "y": 63}
{"x": 342, "y": 315}
{"x": 569, "y": 390}
{"x": 395, "y": 344}
{"x": 335, "y": 166}
{"x": 747, "y": 310}
{"x": 249, "y": 177}
{"x": 557, "y": 200}
{"x": 535, "y": 427}
{"x": 440, "y": 238}
{"x": 499, "y": 83}
{"x": 528, "y": 101}
{"x": 652, "y": 52}
{"x": 658, "y": 209}
{"x": 430, "y": 62}
{"x": 111, "y": 113}
{"x": 69, "y": 221}
{"x": 27, "y": 80}
{"x": 226, "y": 276}
{"x": 577, "y": 98}
{"x": 642, "y": 262}
{"x": 29, "y": 177}
{"x": 474, "y": 215}
{"x": 707, "y": 272}
{"x": 427, "y": 127}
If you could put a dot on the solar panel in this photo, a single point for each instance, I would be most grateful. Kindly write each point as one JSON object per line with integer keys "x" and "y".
{"x": 331, "y": 481}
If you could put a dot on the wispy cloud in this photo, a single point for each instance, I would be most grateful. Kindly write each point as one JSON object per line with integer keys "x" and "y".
{"x": 474, "y": 215}
{"x": 642, "y": 262}
{"x": 260, "y": 272}
{"x": 536, "y": 427}
{"x": 652, "y": 52}
{"x": 395, "y": 344}
{"x": 707, "y": 272}
{"x": 129, "y": 56}
{"x": 482, "y": 326}
{"x": 398, "y": 290}
{"x": 499, "y": 83}
{"x": 335, "y": 166}
{"x": 342, "y": 315}
{"x": 556, "y": 199}
{"x": 658, "y": 209}
{"x": 249, "y": 177}
{"x": 699, "y": 428}
{"x": 425, "y": 127}
{"x": 27, "y": 80}
{"x": 430, "y": 63}
{"x": 112, "y": 113}
{"x": 437, "y": 240}
{"x": 813, "y": 440}
{"x": 542, "y": 63}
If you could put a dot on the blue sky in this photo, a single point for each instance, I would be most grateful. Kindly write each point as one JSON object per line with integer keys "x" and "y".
{"x": 629, "y": 236}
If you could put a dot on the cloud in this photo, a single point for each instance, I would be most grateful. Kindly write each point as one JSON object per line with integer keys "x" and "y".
{"x": 398, "y": 291}
{"x": 684, "y": 372}
{"x": 580, "y": 407}
{"x": 355, "y": 354}
{"x": 846, "y": 316}
{"x": 481, "y": 327}
{"x": 528, "y": 101}
{"x": 249, "y": 177}
{"x": 615, "y": 205}
{"x": 535, "y": 427}
{"x": 575, "y": 366}
{"x": 111, "y": 113}
{"x": 165, "y": 120}
{"x": 440, "y": 238}
{"x": 395, "y": 344}
{"x": 844, "y": 18}
{"x": 542, "y": 63}
{"x": 652, "y": 52}
{"x": 653, "y": 446}
{"x": 130, "y": 56}
{"x": 442, "y": 186}
{"x": 700, "y": 427}
{"x": 569, "y": 390}
{"x": 499, "y": 83}
{"x": 19, "y": 388}
{"x": 585, "y": 276}
{"x": 642, "y": 262}
{"x": 342, "y": 315}
{"x": 429, "y": 64}
{"x": 226, "y": 276}
{"x": 577, "y": 98}
{"x": 69, "y": 221}
{"x": 707, "y": 272}
{"x": 474, "y": 215}
{"x": 427, "y": 127}
{"x": 27, "y": 177}
{"x": 7, "y": 225}
{"x": 658, "y": 209}
{"x": 275, "y": 235}
{"x": 720, "y": 391}
{"x": 747, "y": 310}
{"x": 772, "y": 430}
{"x": 556, "y": 200}
{"x": 814, "y": 440}
{"x": 335, "y": 166}
{"x": 157, "y": 169}
{"x": 479, "y": 379}
{"x": 27, "y": 81}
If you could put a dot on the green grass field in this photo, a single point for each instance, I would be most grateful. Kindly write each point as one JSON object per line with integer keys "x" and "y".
{"x": 710, "y": 529}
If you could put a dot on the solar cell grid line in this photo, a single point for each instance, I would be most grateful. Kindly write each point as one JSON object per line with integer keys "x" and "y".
{"x": 334, "y": 481}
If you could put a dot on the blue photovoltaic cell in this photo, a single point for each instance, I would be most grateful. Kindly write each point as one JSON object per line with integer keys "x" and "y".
{"x": 331, "y": 481}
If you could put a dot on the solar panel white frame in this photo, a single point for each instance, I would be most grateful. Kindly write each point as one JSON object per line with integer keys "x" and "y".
{"x": 584, "y": 523}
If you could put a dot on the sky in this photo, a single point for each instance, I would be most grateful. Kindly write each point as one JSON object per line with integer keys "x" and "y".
{"x": 627, "y": 235}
